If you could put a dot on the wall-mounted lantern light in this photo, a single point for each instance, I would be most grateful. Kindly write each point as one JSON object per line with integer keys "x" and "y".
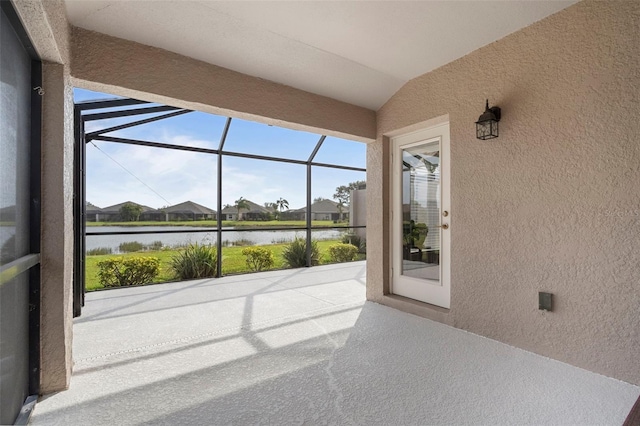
{"x": 487, "y": 124}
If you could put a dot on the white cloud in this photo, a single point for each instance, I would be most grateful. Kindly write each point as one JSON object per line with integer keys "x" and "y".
{"x": 176, "y": 175}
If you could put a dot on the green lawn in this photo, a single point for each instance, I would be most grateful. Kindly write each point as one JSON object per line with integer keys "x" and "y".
{"x": 226, "y": 223}
{"x": 233, "y": 262}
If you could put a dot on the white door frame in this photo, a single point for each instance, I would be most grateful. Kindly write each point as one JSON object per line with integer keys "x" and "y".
{"x": 435, "y": 293}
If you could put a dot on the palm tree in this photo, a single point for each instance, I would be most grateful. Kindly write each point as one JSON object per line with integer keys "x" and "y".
{"x": 282, "y": 204}
{"x": 241, "y": 203}
{"x": 273, "y": 210}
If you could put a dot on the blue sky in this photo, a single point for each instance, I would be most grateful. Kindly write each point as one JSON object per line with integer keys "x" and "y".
{"x": 159, "y": 177}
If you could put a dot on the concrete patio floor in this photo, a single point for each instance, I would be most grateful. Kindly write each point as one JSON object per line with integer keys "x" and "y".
{"x": 302, "y": 347}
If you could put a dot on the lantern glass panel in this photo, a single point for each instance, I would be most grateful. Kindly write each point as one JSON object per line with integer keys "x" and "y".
{"x": 487, "y": 129}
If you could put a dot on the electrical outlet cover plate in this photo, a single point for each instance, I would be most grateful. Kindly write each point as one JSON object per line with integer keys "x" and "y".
{"x": 544, "y": 301}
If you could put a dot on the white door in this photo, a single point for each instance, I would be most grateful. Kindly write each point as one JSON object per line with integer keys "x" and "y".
{"x": 421, "y": 216}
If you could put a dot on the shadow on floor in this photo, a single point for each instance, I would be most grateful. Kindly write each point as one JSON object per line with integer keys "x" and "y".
{"x": 301, "y": 359}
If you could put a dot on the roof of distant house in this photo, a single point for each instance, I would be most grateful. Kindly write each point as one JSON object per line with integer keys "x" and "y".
{"x": 116, "y": 207}
{"x": 189, "y": 207}
{"x": 91, "y": 208}
{"x": 253, "y": 208}
{"x": 9, "y": 212}
{"x": 322, "y": 206}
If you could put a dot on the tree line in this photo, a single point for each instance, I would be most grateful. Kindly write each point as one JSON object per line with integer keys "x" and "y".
{"x": 130, "y": 212}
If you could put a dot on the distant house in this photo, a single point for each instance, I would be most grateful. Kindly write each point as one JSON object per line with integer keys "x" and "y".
{"x": 320, "y": 210}
{"x": 112, "y": 213}
{"x": 8, "y": 214}
{"x": 188, "y": 211}
{"x": 93, "y": 213}
{"x": 255, "y": 212}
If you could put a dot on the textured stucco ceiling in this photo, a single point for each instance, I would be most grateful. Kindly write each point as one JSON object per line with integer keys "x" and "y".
{"x": 359, "y": 52}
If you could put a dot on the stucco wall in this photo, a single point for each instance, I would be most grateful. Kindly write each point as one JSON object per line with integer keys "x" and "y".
{"x": 56, "y": 327}
{"x": 553, "y": 204}
{"x": 126, "y": 68}
{"x": 47, "y": 26}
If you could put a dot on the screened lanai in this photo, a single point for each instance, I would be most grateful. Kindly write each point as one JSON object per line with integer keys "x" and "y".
{"x": 196, "y": 177}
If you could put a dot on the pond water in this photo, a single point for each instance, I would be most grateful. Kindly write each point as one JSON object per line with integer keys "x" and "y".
{"x": 229, "y": 236}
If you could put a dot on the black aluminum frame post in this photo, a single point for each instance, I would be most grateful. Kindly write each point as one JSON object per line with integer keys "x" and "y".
{"x": 128, "y": 113}
{"x": 34, "y": 231}
{"x": 92, "y": 135}
{"x": 78, "y": 214}
{"x": 108, "y": 103}
{"x": 223, "y": 139}
{"x": 309, "y": 196}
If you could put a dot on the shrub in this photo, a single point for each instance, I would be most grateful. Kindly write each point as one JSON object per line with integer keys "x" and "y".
{"x": 422, "y": 229}
{"x": 130, "y": 247}
{"x": 237, "y": 243}
{"x": 120, "y": 271}
{"x": 282, "y": 240}
{"x": 355, "y": 240}
{"x": 99, "y": 250}
{"x": 242, "y": 242}
{"x": 295, "y": 253}
{"x": 258, "y": 258}
{"x": 343, "y": 252}
{"x": 155, "y": 246}
{"x": 195, "y": 261}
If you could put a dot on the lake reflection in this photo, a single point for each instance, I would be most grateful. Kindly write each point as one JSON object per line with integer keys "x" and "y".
{"x": 208, "y": 237}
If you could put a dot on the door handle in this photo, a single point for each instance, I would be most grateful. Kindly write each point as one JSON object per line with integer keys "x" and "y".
{"x": 445, "y": 226}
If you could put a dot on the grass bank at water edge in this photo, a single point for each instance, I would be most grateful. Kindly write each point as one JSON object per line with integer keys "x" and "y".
{"x": 233, "y": 262}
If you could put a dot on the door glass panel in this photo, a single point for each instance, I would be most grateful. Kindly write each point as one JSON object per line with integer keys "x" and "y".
{"x": 15, "y": 104}
{"x": 421, "y": 211}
